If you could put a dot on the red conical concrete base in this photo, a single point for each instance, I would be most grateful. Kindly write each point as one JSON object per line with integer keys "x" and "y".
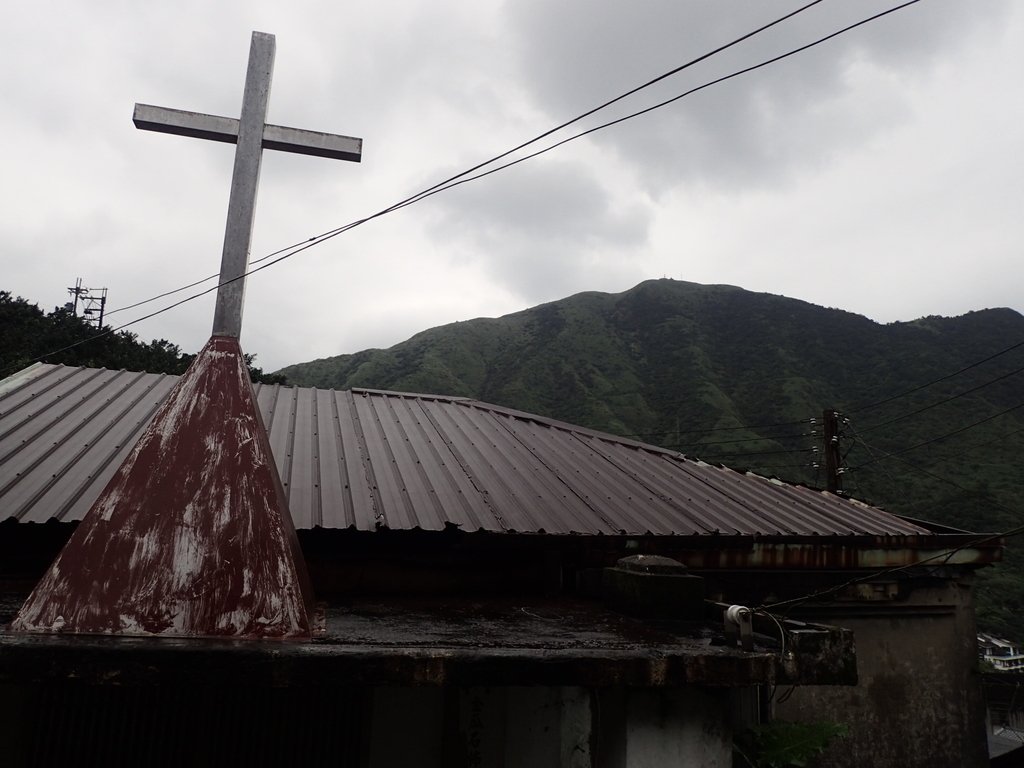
{"x": 192, "y": 536}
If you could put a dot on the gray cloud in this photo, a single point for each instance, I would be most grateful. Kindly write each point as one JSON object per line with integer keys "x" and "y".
{"x": 759, "y": 129}
{"x": 543, "y": 225}
{"x": 882, "y": 157}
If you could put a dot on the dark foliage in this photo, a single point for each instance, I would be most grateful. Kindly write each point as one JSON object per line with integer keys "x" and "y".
{"x": 28, "y": 334}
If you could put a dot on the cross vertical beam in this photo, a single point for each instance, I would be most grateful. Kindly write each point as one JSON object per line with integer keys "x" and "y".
{"x": 191, "y": 485}
{"x": 234, "y": 262}
{"x": 252, "y": 135}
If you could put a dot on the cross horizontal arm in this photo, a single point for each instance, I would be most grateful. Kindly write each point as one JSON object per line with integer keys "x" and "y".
{"x": 183, "y": 123}
{"x": 304, "y": 142}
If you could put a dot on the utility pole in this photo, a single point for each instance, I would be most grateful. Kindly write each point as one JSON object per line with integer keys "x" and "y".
{"x": 833, "y": 470}
{"x": 77, "y": 291}
{"x": 94, "y": 306}
{"x": 94, "y": 302}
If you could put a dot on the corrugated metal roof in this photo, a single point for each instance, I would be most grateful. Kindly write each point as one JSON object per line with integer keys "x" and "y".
{"x": 367, "y": 459}
{"x": 194, "y": 525}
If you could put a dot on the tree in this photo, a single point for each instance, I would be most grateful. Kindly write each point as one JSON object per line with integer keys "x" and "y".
{"x": 27, "y": 335}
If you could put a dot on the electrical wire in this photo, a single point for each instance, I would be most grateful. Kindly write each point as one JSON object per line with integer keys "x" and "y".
{"x": 898, "y": 490}
{"x": 947, "y": 435}
{"x": 772, "y": 438}
{"x": 805, "y": 465}
{"x": 713, "y": 429}
{"x": 537, "y": 138}
{"x": 749, "y": 453}
{"x": 450, "y": 183}
{"x": 110, "y": 331}
{"x": 786, "y": 696}
{"x": 659, "y": 105}
{"x": 945, "y": 555}
{"x": 162, "y": 295}
{"x": 919, "y": 387}
{"x": 983, "y": 443}
{"x": 782, "y": 632}
{"x": 465, "y": 177}
{"x": 943, "y": 401}
{"x": 993, "y": 501}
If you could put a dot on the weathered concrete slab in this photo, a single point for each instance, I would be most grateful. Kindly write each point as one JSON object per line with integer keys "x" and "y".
{"x": 556, "y": 642}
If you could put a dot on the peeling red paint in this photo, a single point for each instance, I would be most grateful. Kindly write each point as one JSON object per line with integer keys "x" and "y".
{"x": 192, "y": 535}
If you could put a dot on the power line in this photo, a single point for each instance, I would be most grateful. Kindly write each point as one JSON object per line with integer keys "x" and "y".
{"x": 862, "y": 408}
{"x": 464, "y": 176}
{"x": 805, "y": 465}
{"x": 948, "y": 434}
{"x": 756, "y": 468}
{"x": 162, "y": 295}
{"x": 943, "y": 401}
{"x": 111, "y": 331}
{"x": 751, "y": 439}
{"x": 747, "y": 453}
{"x": 675, "y": 98}
{"x": 897, "y": 489}
{"x": 716, "y": 429}
{"x": 961, "y": 454}
{"x": 935, "y": 476}
{"x": 529, "y": 142}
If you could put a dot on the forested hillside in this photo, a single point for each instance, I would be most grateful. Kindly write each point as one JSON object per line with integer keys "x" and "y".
{"x": 735, "y": 377}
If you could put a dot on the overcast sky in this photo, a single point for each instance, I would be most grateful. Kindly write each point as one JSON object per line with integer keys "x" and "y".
{"x": 881, "y": 173}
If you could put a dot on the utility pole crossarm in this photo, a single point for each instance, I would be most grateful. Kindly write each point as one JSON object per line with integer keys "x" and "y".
{"x": 181, "y": 122}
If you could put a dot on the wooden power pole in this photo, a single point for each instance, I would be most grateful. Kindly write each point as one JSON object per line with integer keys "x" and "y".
{"x": 833, "y": 471}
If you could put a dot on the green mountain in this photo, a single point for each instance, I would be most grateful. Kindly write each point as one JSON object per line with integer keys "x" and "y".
{"x": 735, "y": 377}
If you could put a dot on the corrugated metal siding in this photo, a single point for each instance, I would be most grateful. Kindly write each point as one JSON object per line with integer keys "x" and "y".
{"x": 365, "y": 459}
{"x": 65, "y": 431}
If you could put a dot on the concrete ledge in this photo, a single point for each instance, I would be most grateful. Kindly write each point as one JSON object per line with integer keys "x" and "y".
{"x": 808, "y": 654}
{"x": 554, "y": 642}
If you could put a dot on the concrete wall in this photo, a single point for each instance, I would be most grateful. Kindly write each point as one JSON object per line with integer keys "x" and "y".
{"x": 364, "y": 727}
{"x": 546, "y": 727}
{"x": 919, "y": 699}
{"x": 651, "y": 728}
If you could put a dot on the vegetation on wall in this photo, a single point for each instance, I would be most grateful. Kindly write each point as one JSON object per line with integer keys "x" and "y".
{"x": 780, "y": 744}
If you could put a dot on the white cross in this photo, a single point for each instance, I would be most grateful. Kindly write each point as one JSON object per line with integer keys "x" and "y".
{"x": 251, "y": 134}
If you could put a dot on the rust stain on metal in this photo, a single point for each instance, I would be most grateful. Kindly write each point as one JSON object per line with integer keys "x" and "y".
{"x": 838, "y": 552}
{"x": 192, "y": 536}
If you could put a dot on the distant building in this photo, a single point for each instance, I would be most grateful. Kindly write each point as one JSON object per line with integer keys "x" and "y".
{"x": 1004, "y": 655}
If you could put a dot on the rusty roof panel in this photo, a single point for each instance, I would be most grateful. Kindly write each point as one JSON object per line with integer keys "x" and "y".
{"x": 367, "y": 459}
